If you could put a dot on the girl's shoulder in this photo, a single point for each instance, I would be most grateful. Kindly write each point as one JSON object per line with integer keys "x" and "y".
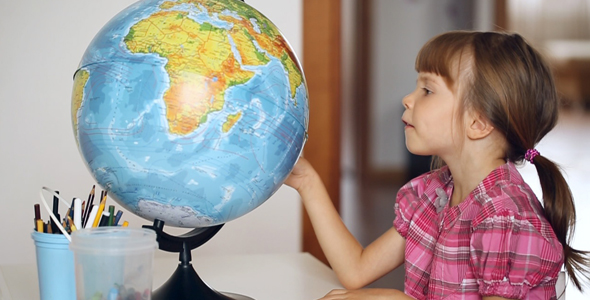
{"x": 505, "y": 190}
{"x": 509, "y": 200}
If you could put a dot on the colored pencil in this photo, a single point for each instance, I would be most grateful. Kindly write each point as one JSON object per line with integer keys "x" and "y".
{"x": 39, "y": 225}
{"x": 37, "y": 215}
{"x": 88, "y": 207}
{"x": 111, "y": 215}
{"x": 99, "y": 212}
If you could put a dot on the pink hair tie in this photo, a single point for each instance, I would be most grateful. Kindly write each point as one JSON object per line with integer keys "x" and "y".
{"x": 530, "y": 155}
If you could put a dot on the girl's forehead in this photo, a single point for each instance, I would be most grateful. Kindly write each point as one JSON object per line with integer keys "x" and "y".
{"x": 432, "y": 78}
{"x": 429, "y": 76}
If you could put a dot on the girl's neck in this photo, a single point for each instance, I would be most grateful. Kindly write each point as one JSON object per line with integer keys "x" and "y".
{"x": 468, "y": 175}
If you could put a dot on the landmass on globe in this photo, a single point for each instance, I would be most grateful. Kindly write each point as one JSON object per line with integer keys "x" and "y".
{"x": 190, "y": 111}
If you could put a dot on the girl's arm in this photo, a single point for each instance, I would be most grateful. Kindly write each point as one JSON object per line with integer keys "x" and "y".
{"x": 367, "y": 294}
{"x": 354, "y": 266}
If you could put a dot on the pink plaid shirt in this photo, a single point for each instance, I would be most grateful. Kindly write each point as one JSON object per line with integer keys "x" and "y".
{"x": 495, "y": 243}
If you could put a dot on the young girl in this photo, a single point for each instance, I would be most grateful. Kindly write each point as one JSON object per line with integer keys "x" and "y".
{"x": 471, "y": 229}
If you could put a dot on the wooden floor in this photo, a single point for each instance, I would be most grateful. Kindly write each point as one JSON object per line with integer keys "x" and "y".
{"x": 368, "y": 210}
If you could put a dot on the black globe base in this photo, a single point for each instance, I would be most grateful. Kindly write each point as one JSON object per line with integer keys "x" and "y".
{"x": 185, "y": 283}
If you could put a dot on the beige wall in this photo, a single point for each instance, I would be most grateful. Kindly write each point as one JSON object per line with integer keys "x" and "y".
{"x": 41, "y": 43}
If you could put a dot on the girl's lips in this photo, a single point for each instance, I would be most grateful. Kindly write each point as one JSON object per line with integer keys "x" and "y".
{"x": 408, "y": 125}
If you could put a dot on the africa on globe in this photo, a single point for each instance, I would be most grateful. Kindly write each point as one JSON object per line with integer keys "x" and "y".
{"x": 193, "y": 112}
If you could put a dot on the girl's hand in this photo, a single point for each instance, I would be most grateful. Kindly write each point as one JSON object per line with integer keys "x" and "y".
{"x": 300, "y": 175}
{"x": 366, "y": 294}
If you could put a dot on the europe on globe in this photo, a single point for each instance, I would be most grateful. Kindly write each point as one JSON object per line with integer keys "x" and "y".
{"x": 193, "y": 112}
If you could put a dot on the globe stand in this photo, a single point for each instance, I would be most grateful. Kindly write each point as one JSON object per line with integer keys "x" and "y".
{"x": 185, "y": 284}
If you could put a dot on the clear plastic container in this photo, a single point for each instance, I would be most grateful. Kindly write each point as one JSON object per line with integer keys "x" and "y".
{"x": 113, "y": 262}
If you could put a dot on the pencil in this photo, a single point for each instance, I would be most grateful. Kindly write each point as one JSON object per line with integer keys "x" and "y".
{"x": 82, "y": 211}
{"x": 125, "y": 224}
{"x": 71, "y": 208}
{"x": 99, "y": 212}
{"x": 117, "y": 218}
{"x": 72, "y": 225}
{"x": 111, "y": 215}
{"x": 88, "y": 207}
{"x": 39, "y": 225}
{"x": 37, "y": 215}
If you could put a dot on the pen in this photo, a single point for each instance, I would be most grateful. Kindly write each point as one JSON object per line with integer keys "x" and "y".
{"x": 104, "y": 220}
{"x": 91, "y": 216}
{"x": 56, "y": 203}
{"x": 78, "y": 212}
{"x": 54, "y": 227}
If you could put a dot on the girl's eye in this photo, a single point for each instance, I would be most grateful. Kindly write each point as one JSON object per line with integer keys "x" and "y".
{"x": 427, "y": 91}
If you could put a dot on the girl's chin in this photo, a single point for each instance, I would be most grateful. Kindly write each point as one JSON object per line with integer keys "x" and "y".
{"x": 415, "y": 151}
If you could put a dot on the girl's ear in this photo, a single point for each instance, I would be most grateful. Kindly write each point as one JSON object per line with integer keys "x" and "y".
{"x": 478, "y": 126}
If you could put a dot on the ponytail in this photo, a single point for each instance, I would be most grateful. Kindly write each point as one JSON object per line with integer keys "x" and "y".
{"x": 560, "y": 212}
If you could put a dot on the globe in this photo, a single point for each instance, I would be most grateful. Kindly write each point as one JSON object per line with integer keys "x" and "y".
{"x": 192, "y": 112}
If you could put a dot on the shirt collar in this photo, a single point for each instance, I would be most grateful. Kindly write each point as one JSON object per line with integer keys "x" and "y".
{"x": 503, "y": 174}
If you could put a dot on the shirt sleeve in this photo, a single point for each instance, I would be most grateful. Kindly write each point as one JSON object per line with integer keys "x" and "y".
{"x": 405, "y": 205}
{"x": 509, "y": 256}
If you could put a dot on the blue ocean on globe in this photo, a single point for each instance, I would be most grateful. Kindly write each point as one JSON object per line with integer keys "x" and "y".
{"x": 193, "y": 112}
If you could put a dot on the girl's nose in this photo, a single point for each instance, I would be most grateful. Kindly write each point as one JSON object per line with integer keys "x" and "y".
{"x": 407, "y": 101}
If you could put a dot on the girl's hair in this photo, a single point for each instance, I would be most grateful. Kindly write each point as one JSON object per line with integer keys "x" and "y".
{"x": 509, "y": 82}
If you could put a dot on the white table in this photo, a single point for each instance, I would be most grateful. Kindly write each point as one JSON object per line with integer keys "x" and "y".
{"x": 295, "y": 276}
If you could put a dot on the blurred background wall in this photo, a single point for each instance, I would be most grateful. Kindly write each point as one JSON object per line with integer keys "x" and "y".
{"x": 561, "y": 29}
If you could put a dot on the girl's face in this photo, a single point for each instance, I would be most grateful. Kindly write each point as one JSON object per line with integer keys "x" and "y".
{"x": 431, "y": 128}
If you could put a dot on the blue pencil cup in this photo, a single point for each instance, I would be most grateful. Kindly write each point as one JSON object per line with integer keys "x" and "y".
{"x": 55, "y": 266}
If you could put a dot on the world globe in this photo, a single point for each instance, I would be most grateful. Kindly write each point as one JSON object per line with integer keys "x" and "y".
{"x": 192, "y": 112}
